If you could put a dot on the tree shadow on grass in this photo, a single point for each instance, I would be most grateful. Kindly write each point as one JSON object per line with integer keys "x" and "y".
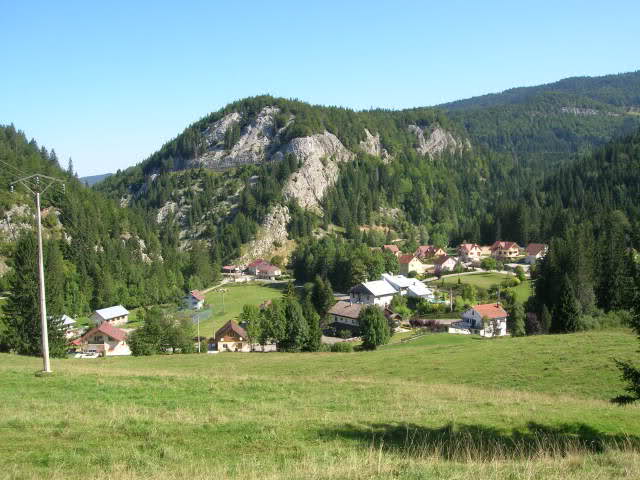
{"x": 483, "y": 443}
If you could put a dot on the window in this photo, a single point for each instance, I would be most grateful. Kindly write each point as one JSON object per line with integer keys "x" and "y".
{"x": 98, "y": 339}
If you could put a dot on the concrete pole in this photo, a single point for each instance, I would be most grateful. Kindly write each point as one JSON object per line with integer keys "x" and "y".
{"x": 43, "y": 302}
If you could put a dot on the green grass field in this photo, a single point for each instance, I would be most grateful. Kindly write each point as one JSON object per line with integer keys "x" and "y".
{"x": 442, "y": 406}
{"x": 486, "y": 280}
{"x": 236, "y": 297}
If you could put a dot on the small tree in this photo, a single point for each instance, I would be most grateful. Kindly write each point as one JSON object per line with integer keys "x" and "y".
{"x": 515, "y": 321}
{"x": 374, "y": 327}
{"x": 519, "y": 271}
{"x": 252, "y": 319}
{"x": 631, "y": 373}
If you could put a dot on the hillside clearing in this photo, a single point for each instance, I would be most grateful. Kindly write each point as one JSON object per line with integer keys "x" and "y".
{"x": 486, "y": 280}
{"x": 441, "y": 406}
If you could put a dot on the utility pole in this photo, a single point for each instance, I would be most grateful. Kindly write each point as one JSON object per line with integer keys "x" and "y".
{"x": 37, "y": 190}
{"x": 222, "y": 291}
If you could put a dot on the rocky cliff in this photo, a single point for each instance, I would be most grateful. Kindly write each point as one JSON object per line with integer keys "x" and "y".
{"x": 436, "y": 140}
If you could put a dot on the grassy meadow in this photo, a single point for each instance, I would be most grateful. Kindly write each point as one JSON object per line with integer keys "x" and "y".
{"x": 235, "y": 298}
{"x": 486, "y": 280}
{"x": 441, "y": 406}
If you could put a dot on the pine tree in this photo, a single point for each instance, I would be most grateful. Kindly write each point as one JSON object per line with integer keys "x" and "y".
{"x": 629, "y": 372}
{"x": 252, "y": 320}
{"x": 322, "y": 296}
{"x": 374, "y": 327}
{"x": 545, "y": 319}
{"x": 516, "y": 320}
{"x": 296, "y": 328}
{"x": 566, "y": 317}
{"x": 23, "y": 331}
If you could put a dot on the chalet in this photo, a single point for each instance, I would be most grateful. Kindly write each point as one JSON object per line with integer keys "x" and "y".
{"x": 469, "y": 252}
{"x": 410, "y": 263}
{"x": 444, "y": 263}
{"x": 229, "y": 269}
{"x": 104, "y": 339}
{"x": 253, "y": 267}
{"x": 194, "y": 300}
{"x": 377, "y": 292}
{"x": 428, "y": 251}
{"x": 345, "y": 314}
{"x": 393, "y": 249}
{"x": 482, "y": 320}
{"x": 231, "y": 337}
{"x": 117, "y": 315}
{"x": 535, "y": 251}
{"x": 505, "y": 250}
{"x": 268, "y": 272}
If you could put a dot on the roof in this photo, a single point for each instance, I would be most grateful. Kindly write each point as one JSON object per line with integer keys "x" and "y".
{"x": 406, "y": 258}
{"x": 397, "y": 281}
{"x": 67, "y": 320}
{"x": 109, "y": 330}
{"x": 377, "y": 288}
{"x": 255, "y": 263}
{"x": 393, "y": 248}
{"x": 490, "y": 310}
{"x": 442, "y": 259}
{"x": 346, "y": 309}
{"x": 197, "y": 294}
{"x": 234, "y": 327}
{"x": 536, "y": 248}
{"x": 424, "y": 249}
{"x": 501, "y": 244}
{"x": 112, "y": 312}
{"x": 229, "y": 267}
{"x": 267, "y": 267}
{"x": 467, "y": 247}
{"x": 419, "y": 289}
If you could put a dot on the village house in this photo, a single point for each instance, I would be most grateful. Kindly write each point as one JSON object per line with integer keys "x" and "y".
{"x": 69, "y": 326}
{"x": 392, "y": 248}
{"x": 505, "y": 250}
{"x": 231, "y": 337}
{"x": 377, "y": 292}
{"x": 263, "y": 269}
{"x": 469, "y": 252}
{"x": 104, "y": 339}
{"x": 444, "y": 263}
{"x": 411, "y": 287}
{"x": 117, "y": 315}
{"x": 487, "y": 320}
{"x": 230, "y": 269}
{"x": 194, "y": 300}
{"x": 345, "y": 314}
{"x": 535, "y": 251}
{"x": 410, "y": 263}
{"x": 428, "y": 251}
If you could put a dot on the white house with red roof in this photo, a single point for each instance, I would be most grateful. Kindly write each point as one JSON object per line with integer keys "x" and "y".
{"x": 469, "y": 252}
{"x": 105, "y": 339}
{"x": 194, "y": 300}
{"x": 444, "y": 263}
{"x": 486, "y": 320}
{"x": 263, "y": 269}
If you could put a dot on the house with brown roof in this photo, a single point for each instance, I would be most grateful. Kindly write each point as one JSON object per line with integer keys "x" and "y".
{"x": 487, "y": 320}
{"x": 444, "y": 263}
{"x": 505, "y": 250}
{"x": 410, "y": 263}
{"x": 104, "y": 339}
{"x": 428, "y": 251}
{"x": 231, "y": 337}
{"x": 535, "y": 251}
{"x": 469, "y": 252}
{"x": 392, "y": 248}
{"x": 345, "y": 314}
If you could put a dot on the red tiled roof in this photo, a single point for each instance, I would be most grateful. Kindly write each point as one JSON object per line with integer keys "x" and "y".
{"x": 256, "y": 263}
{"x": 267, "y": 267}
{"x": 501, "y": 244}
{"x": 491, "y": 310}
{"x": 197, "y": 294}
{"x": 108, "y": 329}
{"x": 406, "y": 258}
{"x": 392, "y": 248}
{"x": 535, "y": 248}
{"x": 467, "y": 247}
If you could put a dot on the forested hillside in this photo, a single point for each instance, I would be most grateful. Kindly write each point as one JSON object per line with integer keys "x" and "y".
{"x": 548, "y": 124}
{"x": 102, "y": 254}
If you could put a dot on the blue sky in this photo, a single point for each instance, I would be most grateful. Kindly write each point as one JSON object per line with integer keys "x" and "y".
{"x": 108, "y": 82}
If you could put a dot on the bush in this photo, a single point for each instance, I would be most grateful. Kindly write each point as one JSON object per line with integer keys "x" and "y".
{"x": 342, "y": 347}
{"x": 430, "y": 325}
{"x": 345, "y": 334}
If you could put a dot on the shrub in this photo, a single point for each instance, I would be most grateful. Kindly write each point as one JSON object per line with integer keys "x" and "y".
{"x": 345, "y": 333}
{"x": 342, "y": 347}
